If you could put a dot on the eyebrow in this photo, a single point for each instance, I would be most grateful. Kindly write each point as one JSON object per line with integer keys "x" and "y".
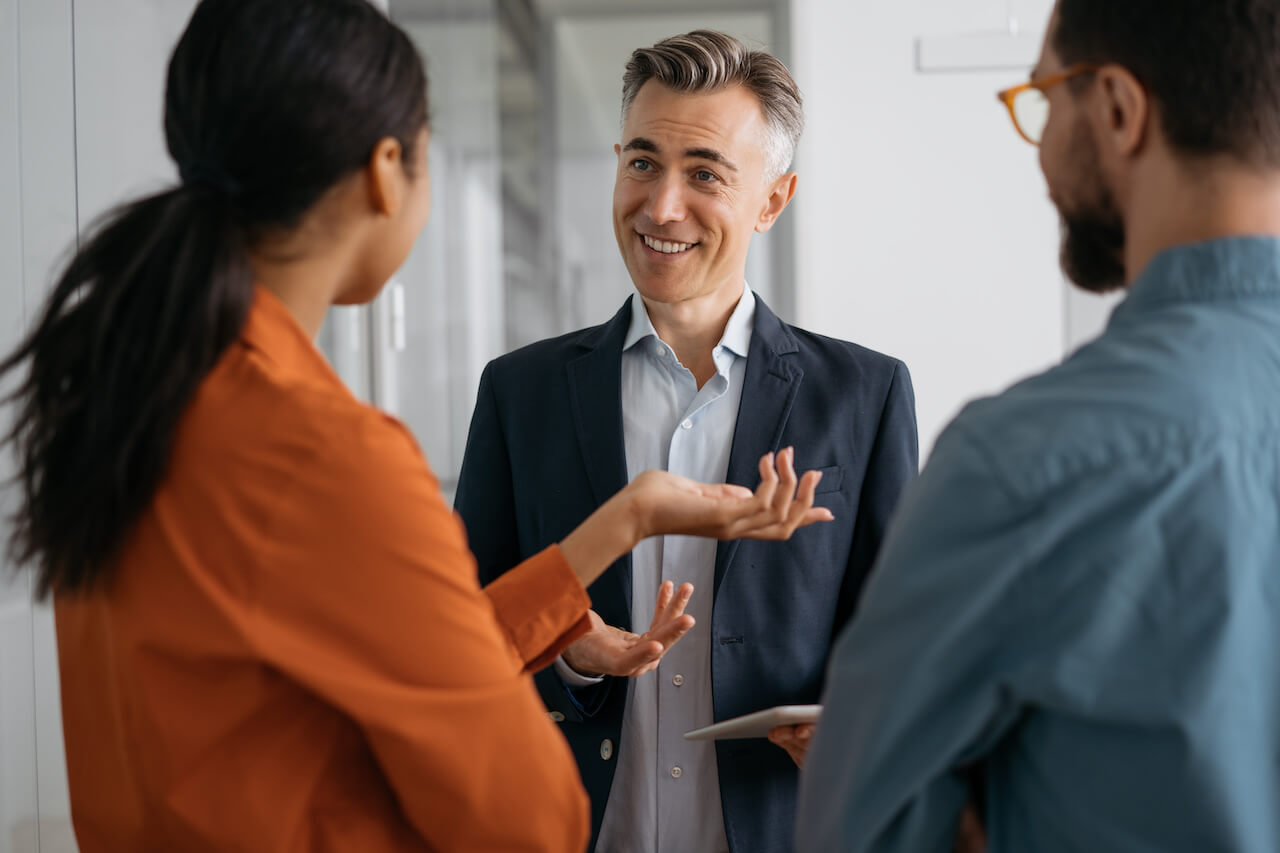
{"x": 712, "y": 155}
{"x": 640, "y": 143}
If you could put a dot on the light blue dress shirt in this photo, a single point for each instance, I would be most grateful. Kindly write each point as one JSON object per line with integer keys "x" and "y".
{"x": 1081, "y": 596}
{"x": 666, "y": 791}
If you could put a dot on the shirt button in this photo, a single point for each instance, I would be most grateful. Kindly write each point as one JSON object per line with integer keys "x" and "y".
{"x": 677, "y": 680}
{"x": 606, "y": 749}
{"x": 557, "y": 717}
{"x": 676, "y": 772}
{"x": 686, "y": 424}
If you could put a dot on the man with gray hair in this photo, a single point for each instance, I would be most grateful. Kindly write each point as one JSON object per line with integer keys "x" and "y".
{"x": 697, "y": 376}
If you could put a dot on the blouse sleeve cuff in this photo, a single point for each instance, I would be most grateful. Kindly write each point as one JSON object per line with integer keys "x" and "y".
{"x": 541, "y": 606}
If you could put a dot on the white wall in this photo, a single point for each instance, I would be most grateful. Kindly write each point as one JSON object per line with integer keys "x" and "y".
{"x": 122, "y": 52}
{"x": 17, "y": 724}
{"x": 924, "y": 228}
{"x": 37, "y": 222}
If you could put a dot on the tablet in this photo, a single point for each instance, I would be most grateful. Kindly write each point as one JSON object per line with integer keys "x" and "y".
{"x": 757, "y": 724}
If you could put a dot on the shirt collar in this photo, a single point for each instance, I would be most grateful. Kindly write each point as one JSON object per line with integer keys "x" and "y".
{"x": 1229, "y": 268}
{"x": 737, "y": 332}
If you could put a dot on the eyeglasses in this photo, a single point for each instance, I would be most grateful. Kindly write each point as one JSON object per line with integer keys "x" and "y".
{"x": 1028, "y": 102}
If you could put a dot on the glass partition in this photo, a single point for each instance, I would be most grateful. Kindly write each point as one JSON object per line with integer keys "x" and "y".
{"x": 525, "y": 99}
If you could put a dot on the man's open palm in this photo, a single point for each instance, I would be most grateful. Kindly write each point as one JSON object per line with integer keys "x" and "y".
{"x": 605, "y": 650}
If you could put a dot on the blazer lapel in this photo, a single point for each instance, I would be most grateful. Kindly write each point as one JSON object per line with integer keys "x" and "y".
{"x": 769, "y": 389}
{"x": 595, "y": 395}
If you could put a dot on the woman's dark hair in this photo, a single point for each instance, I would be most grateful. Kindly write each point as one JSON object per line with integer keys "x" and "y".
{"x": 269, "y": 103}
{"x": 1212, "y": 66}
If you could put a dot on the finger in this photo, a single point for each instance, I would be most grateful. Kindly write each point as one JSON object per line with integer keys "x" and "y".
{"x": 768, "y": 481}
{"x": 808, "y": 486}
{"x": 782, "y": 736}
{"x": 815, "y": 515}
{"x": 810, "y": 516}
{"x": 633, "y": 660}
{"x": 647, "y": 665}
{"x": 677, "y": 603}
{"x": 669, "y": 633}
{"x": 785, "y": 494}
{"x": 760, "y": 526}
{"x": 665, "y": 594}
{"x": 800, "y": 500}
{"x": 773, "y": 494}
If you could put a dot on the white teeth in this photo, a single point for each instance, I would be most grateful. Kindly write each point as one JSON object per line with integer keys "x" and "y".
{"x": 667, "y": 248}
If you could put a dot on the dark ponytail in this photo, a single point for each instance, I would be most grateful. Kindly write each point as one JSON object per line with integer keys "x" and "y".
{"x": 269, "y": 103}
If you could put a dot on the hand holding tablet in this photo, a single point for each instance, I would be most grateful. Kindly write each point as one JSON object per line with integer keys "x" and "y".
{"x": 757, "y": 724}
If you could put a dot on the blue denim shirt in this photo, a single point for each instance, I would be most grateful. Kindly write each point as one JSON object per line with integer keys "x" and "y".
{"x": 1078, "y": 604}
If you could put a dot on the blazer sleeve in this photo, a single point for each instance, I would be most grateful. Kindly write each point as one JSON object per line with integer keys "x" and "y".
{"x": 485, "y": 498}
{"x": 894, "y": 462}
{"x": 367, "y": 596}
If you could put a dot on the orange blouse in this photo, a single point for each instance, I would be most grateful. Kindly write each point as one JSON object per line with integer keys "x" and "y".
{"x": 296, "y": 655}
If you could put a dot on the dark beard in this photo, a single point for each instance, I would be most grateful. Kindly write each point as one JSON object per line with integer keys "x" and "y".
{"x": 1093, "y": 250}
{"x": 1093, "y": 233}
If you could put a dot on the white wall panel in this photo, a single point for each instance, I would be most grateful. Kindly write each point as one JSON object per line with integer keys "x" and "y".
{"x": 924, "y": 226}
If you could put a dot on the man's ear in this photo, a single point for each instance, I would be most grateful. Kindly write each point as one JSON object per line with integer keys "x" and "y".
{"x": 780, "y": 195}
{"x": 1124, "y": 112}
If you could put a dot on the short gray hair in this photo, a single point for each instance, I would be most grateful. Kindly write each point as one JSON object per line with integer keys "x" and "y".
{"x": 708, "y": 61}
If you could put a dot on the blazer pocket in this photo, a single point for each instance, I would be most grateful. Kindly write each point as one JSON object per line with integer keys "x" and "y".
{"x": 831, "y": 479}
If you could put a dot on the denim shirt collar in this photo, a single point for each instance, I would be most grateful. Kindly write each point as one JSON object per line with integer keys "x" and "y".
{"x": 1229, "y": 268}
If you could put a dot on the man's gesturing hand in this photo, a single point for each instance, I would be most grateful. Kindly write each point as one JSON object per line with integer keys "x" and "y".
{"x": 605, "y": 650}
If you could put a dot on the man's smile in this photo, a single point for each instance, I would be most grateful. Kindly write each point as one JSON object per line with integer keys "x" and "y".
{"x": 665, "y": 247}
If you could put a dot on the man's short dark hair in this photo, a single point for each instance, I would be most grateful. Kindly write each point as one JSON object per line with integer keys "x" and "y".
{"x": 1211, "y": 66}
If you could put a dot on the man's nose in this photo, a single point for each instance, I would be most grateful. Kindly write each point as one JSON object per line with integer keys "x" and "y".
{"x": 666, "y": 201}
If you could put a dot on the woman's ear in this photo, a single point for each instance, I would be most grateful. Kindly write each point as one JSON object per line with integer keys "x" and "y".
{"x": 385, "y": 177}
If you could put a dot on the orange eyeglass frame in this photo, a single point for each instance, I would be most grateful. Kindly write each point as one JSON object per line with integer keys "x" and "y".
{"x": 1043, "y": 85}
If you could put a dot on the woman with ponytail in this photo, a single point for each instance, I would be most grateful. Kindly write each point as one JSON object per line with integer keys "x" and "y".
{"x": 270, "y": 632}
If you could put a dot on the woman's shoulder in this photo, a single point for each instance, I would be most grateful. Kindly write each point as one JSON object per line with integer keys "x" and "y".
{"x": 256, "y": 418}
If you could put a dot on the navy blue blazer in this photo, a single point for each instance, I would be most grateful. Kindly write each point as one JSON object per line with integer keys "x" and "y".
{"x": 546, "y": 449}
